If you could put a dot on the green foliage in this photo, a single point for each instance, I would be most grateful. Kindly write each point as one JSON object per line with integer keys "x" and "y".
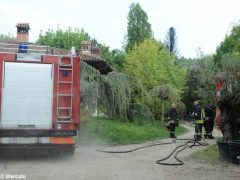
{"x": 230, "y": 44}
{"x": 63, "y": 39}
{"x": 161, "y": 94}
{"x": 138, "y": 26}
{"x": 115, "y": 131}
{"x": 69, "y": 38}
{"x": 201, "y": 81}
{"x": 230, "y": 68}
{"x": 164, "y": 92}
{"x": 111, "y": 94}
{"x": 115, "y": 57}
{"x": 4, "y": 37}
{"x": 153, "y": 65}
{"x": 185, "y": 63}
{"x": 112, "y": 91}
{"x": 230, "y": 96}
{"x": 140, "y": 113}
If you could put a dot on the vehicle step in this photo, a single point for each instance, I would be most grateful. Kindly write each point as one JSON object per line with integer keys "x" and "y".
{"x": 64, "y": 94}
{"x": 65, "y": 65}
{"x": 65, "y": 69}
{"x": 65, "y": 82}
{"x": 63, "y": 121}
{"x": 63, "y": 108}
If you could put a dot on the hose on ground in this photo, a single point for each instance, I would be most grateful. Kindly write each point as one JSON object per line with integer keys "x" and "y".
{"x": 178, "y": 149}
{"x": 131, "y": 150}
{"x": 184, "y": 146}
{"x": 160, "y": 161}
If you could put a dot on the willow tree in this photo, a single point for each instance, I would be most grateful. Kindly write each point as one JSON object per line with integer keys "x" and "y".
{"x": 162, "y": 94}
{"x": 111, "y": 94}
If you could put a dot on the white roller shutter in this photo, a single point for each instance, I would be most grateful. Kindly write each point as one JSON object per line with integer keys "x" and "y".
{"x": 27, "y": 96}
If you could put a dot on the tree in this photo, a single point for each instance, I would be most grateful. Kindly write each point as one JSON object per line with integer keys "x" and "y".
{"x": 114, "y": 57}
{"x": 63, "y": 39}
{"x": 171, "y": 41}
{"x": 67, "y": 39}
{"x": 8, "y": 37}
{"x": 138, "y": 26}
{"x": 154, "y": 66}
{"x": 230, "y": 44}
{"x": 163, "y": 93}
{"x": 200, "y": 81}
{"x": 229, "y": 100}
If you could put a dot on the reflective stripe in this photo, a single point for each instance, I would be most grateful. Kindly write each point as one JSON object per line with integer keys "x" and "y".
{"x": 202, "y": 115}
{"x": 24, "y": 140}
{"x": 36, "y": 140}
{"x": 199, "y": 121}
{"x": 62, "y": 140}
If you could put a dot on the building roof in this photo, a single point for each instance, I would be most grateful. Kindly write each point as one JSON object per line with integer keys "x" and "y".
{"x": 96, "y": 62}
{"x": 25, "y": 25}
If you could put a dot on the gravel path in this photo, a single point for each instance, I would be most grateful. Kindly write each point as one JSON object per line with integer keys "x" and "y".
{"x": 87, "y": 163}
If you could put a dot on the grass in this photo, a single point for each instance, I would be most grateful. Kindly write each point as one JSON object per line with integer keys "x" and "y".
{"x": 210, "y": 155}
{"x": 115, "y": 131}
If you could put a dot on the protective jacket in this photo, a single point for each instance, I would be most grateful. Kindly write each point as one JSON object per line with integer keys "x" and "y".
{"x": 210, "y": 113}
{"x": 173, "y": 115}
{"x": 199, "y": 114}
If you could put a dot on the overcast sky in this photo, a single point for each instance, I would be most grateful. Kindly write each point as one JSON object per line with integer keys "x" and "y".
{"x": 198, "y": 23}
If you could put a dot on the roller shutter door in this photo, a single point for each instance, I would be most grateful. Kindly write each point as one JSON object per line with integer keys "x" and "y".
{"x": 27, "y": 96}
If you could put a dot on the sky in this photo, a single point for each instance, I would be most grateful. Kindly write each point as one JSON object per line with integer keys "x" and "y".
{"x": 198, "y": 23}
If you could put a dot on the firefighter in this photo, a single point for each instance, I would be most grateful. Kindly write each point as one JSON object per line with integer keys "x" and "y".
{"x": 172, "y": 120}
{"x": 199, "y": 116}
{"x": 209, "y": 121}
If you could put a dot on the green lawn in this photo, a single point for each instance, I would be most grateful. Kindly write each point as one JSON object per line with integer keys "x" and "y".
{"x": 115, "y": 131}
{"x": 210, "y": 155}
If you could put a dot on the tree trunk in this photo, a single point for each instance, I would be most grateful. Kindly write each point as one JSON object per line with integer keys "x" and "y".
{"x": 162, "y": 115}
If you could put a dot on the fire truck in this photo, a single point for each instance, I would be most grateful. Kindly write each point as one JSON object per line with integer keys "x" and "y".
{"x": 40, "y": 101}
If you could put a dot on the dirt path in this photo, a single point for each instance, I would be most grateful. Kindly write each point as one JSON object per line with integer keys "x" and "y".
{"x": 87, "y": 163}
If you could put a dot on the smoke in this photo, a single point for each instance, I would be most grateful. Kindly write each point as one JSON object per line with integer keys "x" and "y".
{"x": 89, "y": 133}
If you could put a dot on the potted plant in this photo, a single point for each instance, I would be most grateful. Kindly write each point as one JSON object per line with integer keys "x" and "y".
{"x": 228, "y": 102}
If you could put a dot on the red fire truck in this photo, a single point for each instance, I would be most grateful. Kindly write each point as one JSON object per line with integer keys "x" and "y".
{"x": 40, "y": 101}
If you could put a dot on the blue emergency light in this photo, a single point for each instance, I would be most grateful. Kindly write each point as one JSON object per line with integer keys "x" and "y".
{"x": 23, "y": 48}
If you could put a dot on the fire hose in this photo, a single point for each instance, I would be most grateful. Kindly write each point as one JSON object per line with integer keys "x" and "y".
{"x": 189, "y": 144}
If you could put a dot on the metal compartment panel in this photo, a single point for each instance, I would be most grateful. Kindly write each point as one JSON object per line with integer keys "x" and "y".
{"x": 27, "y": 94}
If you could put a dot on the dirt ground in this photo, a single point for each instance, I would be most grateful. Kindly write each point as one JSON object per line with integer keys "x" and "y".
{"x": 87, "y": 163}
